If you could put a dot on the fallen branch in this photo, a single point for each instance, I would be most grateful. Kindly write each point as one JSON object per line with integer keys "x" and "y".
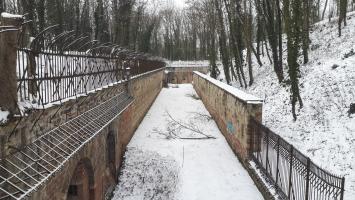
{"x": 191, "y": 128}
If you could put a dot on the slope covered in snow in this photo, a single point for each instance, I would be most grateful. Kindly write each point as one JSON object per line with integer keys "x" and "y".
{"x": 324, "y": 130}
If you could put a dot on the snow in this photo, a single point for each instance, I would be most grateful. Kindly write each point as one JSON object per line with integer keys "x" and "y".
{"x": 232, "y": 90}
{"x": 175, "y": 64}
{"x": 3, "y": 116}
{"x": 11, "y": 16}
{"x": 187, "y": 169}
{"x": 147, "y": 175}
{"x": 324, "y": 131}
{"x": 261, "y": 174}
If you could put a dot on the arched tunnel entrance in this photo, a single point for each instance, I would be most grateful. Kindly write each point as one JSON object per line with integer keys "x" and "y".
{"x": 82, "y": 183}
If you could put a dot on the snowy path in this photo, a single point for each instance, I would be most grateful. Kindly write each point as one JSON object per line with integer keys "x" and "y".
{"x": 159, "y": 166}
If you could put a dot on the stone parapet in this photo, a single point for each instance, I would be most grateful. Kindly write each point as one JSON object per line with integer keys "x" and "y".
{"x": 231, "y": 109}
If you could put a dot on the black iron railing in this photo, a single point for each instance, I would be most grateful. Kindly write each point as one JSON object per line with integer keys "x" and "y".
{"x": 53, "y": 67}
{"x": 293, "y": 174}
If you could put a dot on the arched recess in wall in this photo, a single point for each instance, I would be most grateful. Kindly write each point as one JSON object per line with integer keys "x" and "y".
{"x": 111, "y": 153}
{"x": 176, "y": 79}
{"x": 82, "y": 183}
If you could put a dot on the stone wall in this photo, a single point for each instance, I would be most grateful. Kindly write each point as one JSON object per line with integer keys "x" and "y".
{"x": 98, "y": 176}
{"x": 183, "y": 75}
{"x": 231, "y": 109}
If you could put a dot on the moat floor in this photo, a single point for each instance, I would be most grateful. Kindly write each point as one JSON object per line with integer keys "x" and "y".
{"x": 179, "y": 153}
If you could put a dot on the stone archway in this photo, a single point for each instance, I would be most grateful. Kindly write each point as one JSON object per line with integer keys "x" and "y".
{"x": 82, "y": 183}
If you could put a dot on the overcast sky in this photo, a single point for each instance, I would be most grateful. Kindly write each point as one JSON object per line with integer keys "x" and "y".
{"x": 163, "y": 3}
{"x": 180, "y": 3}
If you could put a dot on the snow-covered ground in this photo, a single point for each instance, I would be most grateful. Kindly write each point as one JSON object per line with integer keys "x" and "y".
{"x": 324, "y": 130}
{"x": 3, "y": 116}
{"x": 159, "y": 164}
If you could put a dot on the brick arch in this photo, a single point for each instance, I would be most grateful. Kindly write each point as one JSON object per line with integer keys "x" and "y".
{"x": 82, "y": 183}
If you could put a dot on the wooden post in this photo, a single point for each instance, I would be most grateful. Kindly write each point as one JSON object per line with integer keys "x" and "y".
{"x": 8, "y": 60}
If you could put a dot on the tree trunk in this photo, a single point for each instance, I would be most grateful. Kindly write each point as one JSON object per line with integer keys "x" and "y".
{"x": 223, "y": 43}
{"x": 233, "y": 44}
{"x": 2, "y": 6}
{"x": 305, "y": 31}
{"x": 293, "y": 27}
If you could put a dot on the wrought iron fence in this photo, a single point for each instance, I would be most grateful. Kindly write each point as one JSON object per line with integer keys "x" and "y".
{"x": 52, "y": 67}
{"x": 293, "y": 174}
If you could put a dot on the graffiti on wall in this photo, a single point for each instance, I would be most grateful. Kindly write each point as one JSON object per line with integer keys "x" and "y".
{"x": 230, "y": 127}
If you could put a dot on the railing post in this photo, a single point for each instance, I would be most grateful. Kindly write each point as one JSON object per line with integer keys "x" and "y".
{"x": 31, "y": 70}
{"x": 308, "y": 177}
{"x": 342, "y": 188}
{"x": 290, "y": 176}
{"x": 267, "y": 151}
{"x": 8, "y": 60}
{"x": 277, "y": 161}
{"x": 127, "y": 74}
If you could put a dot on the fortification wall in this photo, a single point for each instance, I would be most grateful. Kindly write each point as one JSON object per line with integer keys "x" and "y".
{"x": 231, "y": 109}
{"x": 96, "y": 165}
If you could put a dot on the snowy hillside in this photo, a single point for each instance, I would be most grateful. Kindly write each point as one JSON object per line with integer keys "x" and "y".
{"x": 324, "y": 131}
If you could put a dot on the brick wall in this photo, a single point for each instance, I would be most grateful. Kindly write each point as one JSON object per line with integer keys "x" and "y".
{"x": 231, "y": 109}
{"x": 97, "y": 174}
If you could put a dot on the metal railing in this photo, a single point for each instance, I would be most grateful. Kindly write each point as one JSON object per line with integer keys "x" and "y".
{"x": 293, "y": 174}
{"x": 55, "y": 66}
{"x": 26, "y": 170}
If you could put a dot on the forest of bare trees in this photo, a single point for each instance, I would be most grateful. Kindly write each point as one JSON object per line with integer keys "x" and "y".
{"x": 141, "y": 25}
{"x": 232, "y": 32}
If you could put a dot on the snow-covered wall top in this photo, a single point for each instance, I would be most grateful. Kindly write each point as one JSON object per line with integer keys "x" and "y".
{"x": 11, "y": 16}
{"x": 248, "y": 98}
{"x": 186, "y": 64}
